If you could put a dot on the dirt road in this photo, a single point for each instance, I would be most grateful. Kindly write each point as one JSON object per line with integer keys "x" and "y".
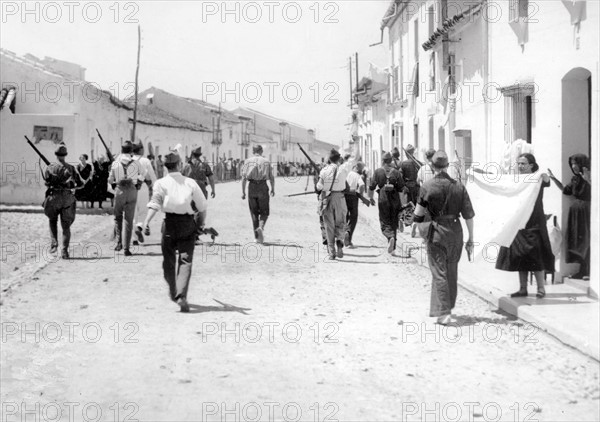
{"x": 276, "y": 332}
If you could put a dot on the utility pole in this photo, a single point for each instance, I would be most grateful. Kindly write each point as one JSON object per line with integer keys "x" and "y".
{"x": 137, "y": 72}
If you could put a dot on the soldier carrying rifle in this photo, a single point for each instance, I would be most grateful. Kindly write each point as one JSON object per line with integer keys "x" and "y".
{"x": 61, "y": 177}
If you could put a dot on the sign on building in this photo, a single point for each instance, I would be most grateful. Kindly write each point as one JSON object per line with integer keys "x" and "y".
{"x": 48, "y": 133}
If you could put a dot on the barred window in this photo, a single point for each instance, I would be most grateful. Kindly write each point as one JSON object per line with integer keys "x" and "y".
{"x": 518, "y": 112}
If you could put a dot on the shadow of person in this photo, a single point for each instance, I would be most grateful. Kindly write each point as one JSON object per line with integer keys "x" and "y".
{"x": 225, "y": 307}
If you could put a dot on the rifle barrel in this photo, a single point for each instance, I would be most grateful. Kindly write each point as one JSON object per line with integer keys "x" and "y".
{"x": 44, "y": 159}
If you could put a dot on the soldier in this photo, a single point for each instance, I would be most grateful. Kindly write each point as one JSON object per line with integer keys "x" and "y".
{"x": 444, "y": 198}
{"x": 200, "y": 172}
{"x": 396, "y": 158}
{"x": 410, "y": 170}
{"x": 60, "y": 178}
{"x": 145, "y": 191}
{"x": 125, "y": 179}
{"x": 332, "y": 184}
{"x": 256, "y": 171}
{"x": 185, "y": 213}
{"x": 388, "y": 182}
{"x": 355, "y": 184}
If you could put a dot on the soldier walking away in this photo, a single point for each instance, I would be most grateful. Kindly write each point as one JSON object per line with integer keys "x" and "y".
{"x": 445, "y": 199}
{"x": 145, "y": 192}
{"x": 332, "y": 205}
{"x": 60, "y": 178}
{"x": 355, "y": 184}
{"x": 125, "y": 179}
{"x": 410, "y": 170}
{"x": 256, "y": 171}
{"x": 185, "y": 213}
{"x": 388, "y": 182}
{"x": 200, "y": 171}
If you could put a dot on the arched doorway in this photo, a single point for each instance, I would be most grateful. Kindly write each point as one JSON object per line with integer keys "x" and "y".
{"x": 576, "y": 135}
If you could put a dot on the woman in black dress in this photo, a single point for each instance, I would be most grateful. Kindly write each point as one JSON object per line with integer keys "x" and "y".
{"x": 85, "y": 170}
{"x": 579, "y": 222}
{"x": 531, "y": 250}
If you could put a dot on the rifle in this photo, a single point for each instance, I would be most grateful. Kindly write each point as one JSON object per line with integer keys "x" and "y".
{"x": 417, "y": 162}
{"x": 108, "y": 153}
{"x": 44, "y": 159}
{"x": 299, "y": 194}
{"x": 317, "y": 170}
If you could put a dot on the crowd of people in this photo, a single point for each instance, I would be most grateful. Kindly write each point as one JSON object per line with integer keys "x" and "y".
{"x": 437, "y": 199}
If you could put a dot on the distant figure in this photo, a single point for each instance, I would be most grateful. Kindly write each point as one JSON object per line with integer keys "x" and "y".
{"x": 86, "y": 172}
{"x": 579, "y": 222}
{"x": 257, "y": 170}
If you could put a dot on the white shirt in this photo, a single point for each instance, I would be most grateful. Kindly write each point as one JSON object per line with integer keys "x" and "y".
{"x": 174, "y": 194}
{"x": 355, "y": 181}
{"x": 146, "y": 169}
{"x": 125, "y": 167}
{"x": 425, "y": 173}
{"x": 326, "y": 178}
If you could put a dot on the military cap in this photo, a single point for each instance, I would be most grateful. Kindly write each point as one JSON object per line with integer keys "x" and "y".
{"x": 197, "y": 152}
{"x": 172, "y": 158}
{"x": 257, "y": 149}
{"x": 138, "y": 147}
{"x": 387, "y": 157}
{"x": 440, "y": 160}
{"x": 61, "y": 150}
{"x": 334, "y": 155}
{"x": 127, "y": 147}
{"x": 410, "y": 148}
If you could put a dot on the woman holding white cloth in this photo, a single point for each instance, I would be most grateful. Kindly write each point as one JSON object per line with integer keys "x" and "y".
{"x": 530, "y": 251}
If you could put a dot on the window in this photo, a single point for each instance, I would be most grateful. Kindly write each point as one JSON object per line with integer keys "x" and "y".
{"x": 431, "y": 72}
{"x": 416, "y": 136}
{"x": 518, "y": 112}
{"x": 518, "y": 9}
{"x": 416, "y": 34}
{"x": 395, "y": 83}
{"x": 395, "y": 136}
{"x": 431, "y": 20}
{"x": 431, "y": 134}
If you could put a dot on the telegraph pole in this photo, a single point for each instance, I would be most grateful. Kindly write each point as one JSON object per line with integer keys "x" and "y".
{"x": 137, "y": 72}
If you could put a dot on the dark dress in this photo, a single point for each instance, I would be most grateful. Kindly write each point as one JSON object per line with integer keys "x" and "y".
{"x": 100, "y": 182}
{"x": 86, "y": 192}
{"x": 534, "y": 239}
{"x": 579, "y": 221}
{"x": 389, "y": 199}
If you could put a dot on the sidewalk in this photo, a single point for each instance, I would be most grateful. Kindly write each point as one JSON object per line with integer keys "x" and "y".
{"x": 567, "y": 312}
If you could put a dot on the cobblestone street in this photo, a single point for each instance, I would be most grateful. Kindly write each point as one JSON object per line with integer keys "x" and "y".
{"x": 276, "y": 332}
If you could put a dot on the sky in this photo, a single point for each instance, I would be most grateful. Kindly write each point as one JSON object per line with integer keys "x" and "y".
{"x": 287, "y": 59}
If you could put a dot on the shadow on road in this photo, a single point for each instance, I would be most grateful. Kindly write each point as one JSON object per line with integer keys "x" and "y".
{"x": 225, "y": 307}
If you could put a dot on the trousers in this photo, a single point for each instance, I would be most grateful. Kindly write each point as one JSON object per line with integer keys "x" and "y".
{"x": 258, "y": 202}
{"x": 444, "y": 250}
{"x": 352, "y": 215}
{"x": 178, "y": 235}
{"x": 125, "y": 201}
{"x": 60, "y": 204}
{"x": 334, "y": 219}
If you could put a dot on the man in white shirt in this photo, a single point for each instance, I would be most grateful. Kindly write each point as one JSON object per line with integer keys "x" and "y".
{"x": 355, "y": 184}
{"x": 145, "y": 192}
{"x": 332, "y": 205}
{"x": 181, "y": 199}
{"x": 125, "y": 179}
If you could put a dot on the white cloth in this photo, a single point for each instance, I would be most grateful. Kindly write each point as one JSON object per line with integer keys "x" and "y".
{"x": 174, "y": 193}
{"x": 504, "y": 204}
{"x": 355, "y": 181}
{"x": 326, "y": 178}
{"x": 147, "y": 173}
